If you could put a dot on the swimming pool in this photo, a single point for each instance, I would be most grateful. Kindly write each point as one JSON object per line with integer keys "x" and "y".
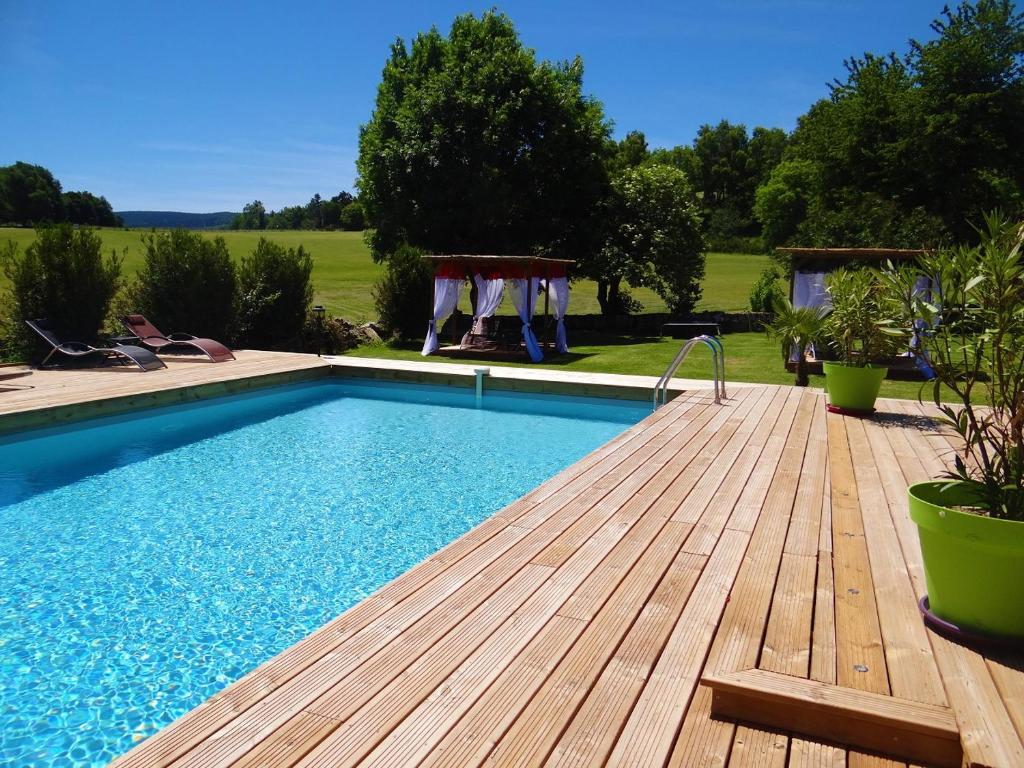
{"x": 146, "y": 561}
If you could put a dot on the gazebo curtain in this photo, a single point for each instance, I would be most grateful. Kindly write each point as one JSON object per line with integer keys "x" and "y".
{"x": 447, "y": 284}
{"x": 558, "y": 293}
{"x": 489, "y": 291}
{"x": 809, "y": 290}
{"x": 524, "y": 294}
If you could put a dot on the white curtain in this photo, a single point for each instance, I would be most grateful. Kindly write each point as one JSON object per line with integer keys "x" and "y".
{"x": 558, "y": 292}
{"x": 525, "y": 300}
{"x": 809, "y": 290}
{"x": 488, "y": 299}
{"x": 446, "y": 297}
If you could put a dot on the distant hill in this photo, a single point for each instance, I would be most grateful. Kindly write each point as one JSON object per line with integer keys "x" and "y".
{"x": 175, "y": 219}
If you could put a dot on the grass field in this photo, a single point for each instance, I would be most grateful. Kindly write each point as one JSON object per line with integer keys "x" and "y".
{"x": 344, "y": 273}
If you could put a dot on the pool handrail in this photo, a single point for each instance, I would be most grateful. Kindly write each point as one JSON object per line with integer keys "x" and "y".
{"x": 718, "y": 365}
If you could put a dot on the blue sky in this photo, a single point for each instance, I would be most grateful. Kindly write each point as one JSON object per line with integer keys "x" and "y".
{"x": 204, "y": 106}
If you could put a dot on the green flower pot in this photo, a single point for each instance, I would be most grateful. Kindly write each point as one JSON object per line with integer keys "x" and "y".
{"x": 972, "y": 564}
{"x": 851, "y": 388}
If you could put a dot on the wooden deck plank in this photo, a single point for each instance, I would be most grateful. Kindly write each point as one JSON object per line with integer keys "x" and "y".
{"x": 700, "y": 736}
{"x": 758, "y": 747}
{"x": 811, "y": 754}
{"x": 869, "y": 721}
{"x": 649, "y": 733}
{"x": 411, "y": 741}
{"x": 860, "y": 657}
{"x": 911, "y": 664}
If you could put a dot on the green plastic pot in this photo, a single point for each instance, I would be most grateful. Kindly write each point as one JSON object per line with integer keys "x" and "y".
{"x": 852, "y": 388}
{"x": 972, "y": 564}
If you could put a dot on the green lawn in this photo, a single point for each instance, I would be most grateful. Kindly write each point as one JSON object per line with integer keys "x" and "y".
{"x": 749, "y": 357}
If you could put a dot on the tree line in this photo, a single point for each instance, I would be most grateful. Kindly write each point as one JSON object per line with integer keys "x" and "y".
{"x": 342, "y": 211}
{"x": 30, "y": 195}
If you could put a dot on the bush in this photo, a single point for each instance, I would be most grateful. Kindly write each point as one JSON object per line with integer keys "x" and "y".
{"x": 352, "y": 218}
{"x": 186, "y": 283}
{"x": 404, "y": 295}
{"x": 62, "y": 276}
{"x": 274, "y": 296}
{"x": 768, "y": 291}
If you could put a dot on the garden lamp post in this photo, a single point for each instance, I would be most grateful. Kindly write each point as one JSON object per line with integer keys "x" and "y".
{"x": 318, "y": 310}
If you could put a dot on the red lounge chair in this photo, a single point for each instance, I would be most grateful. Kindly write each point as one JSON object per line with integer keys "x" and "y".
{"x": 150, "y": 337}
{"x": 123, "y": 353}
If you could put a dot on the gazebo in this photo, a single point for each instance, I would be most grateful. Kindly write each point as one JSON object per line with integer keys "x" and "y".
{"x": 807, "y": 284}
{"x": 810, "y": 265}
{"x": 524, "y": 276}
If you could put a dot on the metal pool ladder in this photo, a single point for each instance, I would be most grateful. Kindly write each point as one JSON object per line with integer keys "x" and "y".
{"x": 717, "y": 359}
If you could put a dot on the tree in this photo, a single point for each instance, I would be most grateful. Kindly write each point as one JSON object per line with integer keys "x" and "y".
{"x": 29, "y": 194}
{"x": 780, "y": 204}
{"x": 86, "y": 208}
{"x": 654, "y": 238}
{"x": 187, "y": 282}
{"x": 970, "y": 82}
{"x": 253, "y": 216}
{"x": 61, "y": 276}
{"x": 274, "y": 296}
{"x": 907, "y": 150}
{"x": 352, "y": 218}
{"x": 476, "y": 147}
{"x": 628, "y": 153}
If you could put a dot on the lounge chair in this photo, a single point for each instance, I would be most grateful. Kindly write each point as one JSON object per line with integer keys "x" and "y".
{"x": 124, "y": 353}
{"x": 151, "y": 337}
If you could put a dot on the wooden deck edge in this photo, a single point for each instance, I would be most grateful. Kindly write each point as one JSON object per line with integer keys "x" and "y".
{"x": 70, "y": 413}
{"x": 908, "y": 730}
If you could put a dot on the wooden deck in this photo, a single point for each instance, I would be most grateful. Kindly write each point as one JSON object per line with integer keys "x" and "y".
{"x": 762, "y": 547}
{"x": 763, "y": 538}
{"x": 46, "y": 397}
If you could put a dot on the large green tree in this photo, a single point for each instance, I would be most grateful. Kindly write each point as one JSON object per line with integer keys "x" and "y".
{"x": 654, "y": 238}
{"x": 908, "y": 150}
{"x": 29, "y": 194}
{"x": 474, "y": 146}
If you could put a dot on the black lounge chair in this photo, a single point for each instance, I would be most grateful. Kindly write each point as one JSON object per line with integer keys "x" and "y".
{"x": 149, "y": 335}
{"x": 125, "y": 354}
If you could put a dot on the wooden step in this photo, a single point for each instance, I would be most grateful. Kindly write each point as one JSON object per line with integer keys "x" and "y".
{"x": 909, "y": 730}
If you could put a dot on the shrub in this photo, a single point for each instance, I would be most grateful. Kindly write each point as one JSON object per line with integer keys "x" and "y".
{"x": 973, "y": 340}
{"x": 274, "y": 296}
{"x": 352, "y": 218}
{"x": 186, "y": 283}
{"x": 857, "y": 327}
{"x": 63, "y": 276}
{"x": 768, "y": 291}
{"x": 404, "y": 295}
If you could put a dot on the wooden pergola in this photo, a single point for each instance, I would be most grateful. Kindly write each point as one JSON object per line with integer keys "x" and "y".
{"x": 829, "y": 259}
{"x": 510, "y": 266}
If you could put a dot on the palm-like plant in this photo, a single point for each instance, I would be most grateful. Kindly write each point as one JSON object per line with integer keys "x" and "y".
{"x": 797, "y": 328}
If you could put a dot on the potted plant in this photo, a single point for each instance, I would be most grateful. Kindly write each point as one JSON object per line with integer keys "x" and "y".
{"x": 861, "y": 336}
{"x": 797, "y": 328}
{"x": 971, "y": 333}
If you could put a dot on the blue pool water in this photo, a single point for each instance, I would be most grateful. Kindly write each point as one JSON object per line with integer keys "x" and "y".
{"x": 148, "y": 561}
